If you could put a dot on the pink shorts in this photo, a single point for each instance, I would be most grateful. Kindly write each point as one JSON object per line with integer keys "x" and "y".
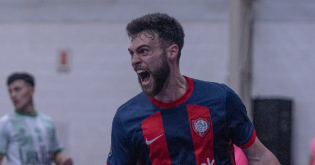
{"x": 240, "y": 158}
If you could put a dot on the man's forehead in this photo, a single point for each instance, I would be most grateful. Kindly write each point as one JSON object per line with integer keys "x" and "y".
{"x": 18, "y": 82}
{"x": 143, "y": 38}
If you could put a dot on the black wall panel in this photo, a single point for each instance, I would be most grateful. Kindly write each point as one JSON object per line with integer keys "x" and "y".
{"x": 273, "y": 120}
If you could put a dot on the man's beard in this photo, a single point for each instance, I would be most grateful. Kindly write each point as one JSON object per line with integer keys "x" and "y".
{"x": 159, "y": 76}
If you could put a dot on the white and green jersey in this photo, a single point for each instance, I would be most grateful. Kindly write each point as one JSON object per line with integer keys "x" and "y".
{"x": 28, "y": 140}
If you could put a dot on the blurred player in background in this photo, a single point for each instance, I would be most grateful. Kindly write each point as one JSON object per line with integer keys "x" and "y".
{"x": 27, "y": 136}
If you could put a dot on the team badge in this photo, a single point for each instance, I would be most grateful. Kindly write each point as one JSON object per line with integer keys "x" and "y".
{"x": 201, "y": 126}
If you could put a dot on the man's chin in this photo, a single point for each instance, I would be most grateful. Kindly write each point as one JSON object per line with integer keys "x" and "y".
{"x": 147, "y": 91}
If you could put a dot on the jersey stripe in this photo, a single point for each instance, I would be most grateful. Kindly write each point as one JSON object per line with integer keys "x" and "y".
{"x": 154, "y": 136}
{"x": 250, "y": 141}
{"x": 202, "y": 134}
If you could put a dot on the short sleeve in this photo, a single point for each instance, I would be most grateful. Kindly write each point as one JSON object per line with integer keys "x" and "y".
{"x": 55, "y": 144}
{"x": 241, "y": 129}
{"x": 121, "y": 149}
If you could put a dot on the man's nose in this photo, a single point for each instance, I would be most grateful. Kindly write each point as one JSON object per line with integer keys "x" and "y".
{"x": 135, "y": 59}
{"x": 12, "y": 94}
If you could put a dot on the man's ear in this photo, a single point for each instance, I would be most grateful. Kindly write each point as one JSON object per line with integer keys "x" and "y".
{"x": 172, "y": 52}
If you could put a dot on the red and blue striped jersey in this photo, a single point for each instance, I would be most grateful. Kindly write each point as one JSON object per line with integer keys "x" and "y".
{"x": 199, "y": 128}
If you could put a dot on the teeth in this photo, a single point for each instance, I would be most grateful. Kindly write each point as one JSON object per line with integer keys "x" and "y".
{"x": 140, "y": 71}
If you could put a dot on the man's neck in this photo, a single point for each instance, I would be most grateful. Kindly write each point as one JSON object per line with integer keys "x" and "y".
{"x": 174, "y": 88}
{"x": 29, "y": 110}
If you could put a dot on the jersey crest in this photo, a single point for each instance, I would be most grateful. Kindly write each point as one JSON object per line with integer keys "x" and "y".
{"x": 201, "y": 126}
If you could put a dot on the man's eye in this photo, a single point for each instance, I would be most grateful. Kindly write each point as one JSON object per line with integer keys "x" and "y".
{"x": 131, "y": 53}
{"x": 17, "y": 89}
{"x": 144, "y": 51}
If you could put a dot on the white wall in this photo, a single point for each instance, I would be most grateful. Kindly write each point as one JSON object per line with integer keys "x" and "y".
{"x": 284, "y": 58}
{"x": 284, "y": 67}
{"x": 83, "y": 100}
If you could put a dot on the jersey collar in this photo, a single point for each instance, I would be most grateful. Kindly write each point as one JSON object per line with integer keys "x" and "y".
{"x": 25, "y": 114}
{"x": 179, "y": 101}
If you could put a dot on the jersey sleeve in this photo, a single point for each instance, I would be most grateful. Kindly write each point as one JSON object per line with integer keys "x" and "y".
{"x": 121, "y": 149}
{"x": 241, "y": 128}
{"x": 4, "y": 137}
{"x": 55, "y": 143}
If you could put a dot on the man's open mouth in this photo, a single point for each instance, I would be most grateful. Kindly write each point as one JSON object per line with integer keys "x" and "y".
{"x": 144, "y": 76}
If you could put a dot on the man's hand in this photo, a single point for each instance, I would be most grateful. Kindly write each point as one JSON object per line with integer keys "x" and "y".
{"x": 66, "y": 161}
{"x": 62, "y": 159}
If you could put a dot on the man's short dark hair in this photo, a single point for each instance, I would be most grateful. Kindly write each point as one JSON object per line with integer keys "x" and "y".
{"x": 168, "y": 29}
{"x": 26, "y": 77}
